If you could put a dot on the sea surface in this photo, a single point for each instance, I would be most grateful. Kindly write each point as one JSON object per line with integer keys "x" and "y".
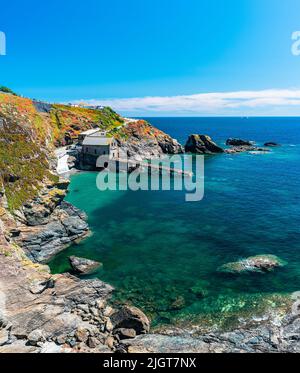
{"x": 162, "y": 254}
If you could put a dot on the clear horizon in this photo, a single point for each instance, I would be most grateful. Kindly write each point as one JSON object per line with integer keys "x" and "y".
{"x": 171, "y": 58}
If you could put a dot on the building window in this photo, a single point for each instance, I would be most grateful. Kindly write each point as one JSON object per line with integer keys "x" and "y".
{"x": 95, "y": 151}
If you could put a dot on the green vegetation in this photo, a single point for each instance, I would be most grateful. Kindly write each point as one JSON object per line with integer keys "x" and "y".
{"x": 69, "y": 121}
{"x": 28, "y": 137}
{"x": 23, "y": 165}
{"x": 7, "y": 90}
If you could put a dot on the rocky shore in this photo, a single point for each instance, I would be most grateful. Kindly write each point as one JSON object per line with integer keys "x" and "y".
{"x": 47, "y": 224}
{"x": 41, "y": 312}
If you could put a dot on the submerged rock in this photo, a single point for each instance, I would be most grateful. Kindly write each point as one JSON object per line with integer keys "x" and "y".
{"x": 202, "y": 144}
{"x": 84, "y": 266}
{"x": 259, "y": 263}
{"x": 178, "y": 303}
{"x": 200, "y": 289}
{"x": 130, "y": 318}
{"x": 271, "y": 144}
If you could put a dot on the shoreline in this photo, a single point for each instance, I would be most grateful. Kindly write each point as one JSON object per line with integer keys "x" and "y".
{"x": 41, "y": 312}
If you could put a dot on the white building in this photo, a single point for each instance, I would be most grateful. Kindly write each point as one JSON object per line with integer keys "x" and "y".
{"x": 97, "y": 143}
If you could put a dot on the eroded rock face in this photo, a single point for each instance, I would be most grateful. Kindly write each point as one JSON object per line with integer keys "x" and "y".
{"x": 65, "y": 225}
{"x": 140, "y": 140}
{"x": 65, "y": 316}
{"x": 259, "y": 263}
{"x": 84, "y": 266}
{"x": 202, "y": 144}
{"x": 39, "y": 210}
{"x": 130, "y": 318}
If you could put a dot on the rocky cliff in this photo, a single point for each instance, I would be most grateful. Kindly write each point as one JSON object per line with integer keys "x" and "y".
{"x": 138, "y": 139}
{"x": 40, "y": 312}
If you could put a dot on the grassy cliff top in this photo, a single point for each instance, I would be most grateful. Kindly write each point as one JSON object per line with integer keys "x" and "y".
{"x": 56, "y": 124}
{"x": 29, "y": 131}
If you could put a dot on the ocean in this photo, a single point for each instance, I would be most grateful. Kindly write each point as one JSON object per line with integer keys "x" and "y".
{"x": 162, "y": 254}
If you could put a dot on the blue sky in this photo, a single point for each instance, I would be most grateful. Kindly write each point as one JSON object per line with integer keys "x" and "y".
{"x": 156, "y": 57}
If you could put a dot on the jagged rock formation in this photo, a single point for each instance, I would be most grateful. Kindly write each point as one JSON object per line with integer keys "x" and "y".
{"x": 84, "y": 266}
{"x": 66, "y": 224}
{"x": 202, "y": 144}
{"x": 241, "y": 146}
{"x": 140, "y": 140}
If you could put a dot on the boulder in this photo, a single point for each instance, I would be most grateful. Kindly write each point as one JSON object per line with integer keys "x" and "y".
{"x": 271, "y": 144}
{"x": 84, "y": 266}
{"x": 130, "y": 318}
{"x": 36, "y": 337}
{"x": 82, "y": 335}
{"x": 259, "y": 263}
{"x": 93, "y": 342}
{"x": 238, "y": 142}
{"x": 123, "y": 333}
{"x": 202, "y": 144}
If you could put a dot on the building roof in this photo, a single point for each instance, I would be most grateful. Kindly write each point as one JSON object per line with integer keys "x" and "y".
{"x": 99, "y": 133}
{"x": 90, "y": 132}
{"x": 97, "y": 141}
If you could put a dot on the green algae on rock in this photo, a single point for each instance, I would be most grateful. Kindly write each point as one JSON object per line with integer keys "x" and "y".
{"x": 258, "y": 263}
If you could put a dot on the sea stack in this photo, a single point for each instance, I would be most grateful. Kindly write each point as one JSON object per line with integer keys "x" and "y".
{"x": 202, "y": 144}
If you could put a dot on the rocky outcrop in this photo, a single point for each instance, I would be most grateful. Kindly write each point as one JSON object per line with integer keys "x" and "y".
{"x": 276, "y": 331}
{"x": 241, "y": 146}
{"x": 84, "y": 266}
{"x": 202, "y": 144}
{"x": 130, "y": 318}
{"x": 39, "y": 311}
{"x": 140, "y": 140}
{"x": 259, "y": 263}
{"x": 239, "y": 142}
{"x": 242, "y": 149}
{"x": 65, "y": 225}
{"x": 38, "y": 211}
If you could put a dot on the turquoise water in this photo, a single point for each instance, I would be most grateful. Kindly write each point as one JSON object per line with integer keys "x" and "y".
{"x": 158, "y": 250}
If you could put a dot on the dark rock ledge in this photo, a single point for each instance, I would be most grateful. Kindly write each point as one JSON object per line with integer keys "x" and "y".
{"x": 48, "y": 224}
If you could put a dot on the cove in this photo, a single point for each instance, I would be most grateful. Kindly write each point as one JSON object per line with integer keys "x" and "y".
{"x": 162, "y": 253}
